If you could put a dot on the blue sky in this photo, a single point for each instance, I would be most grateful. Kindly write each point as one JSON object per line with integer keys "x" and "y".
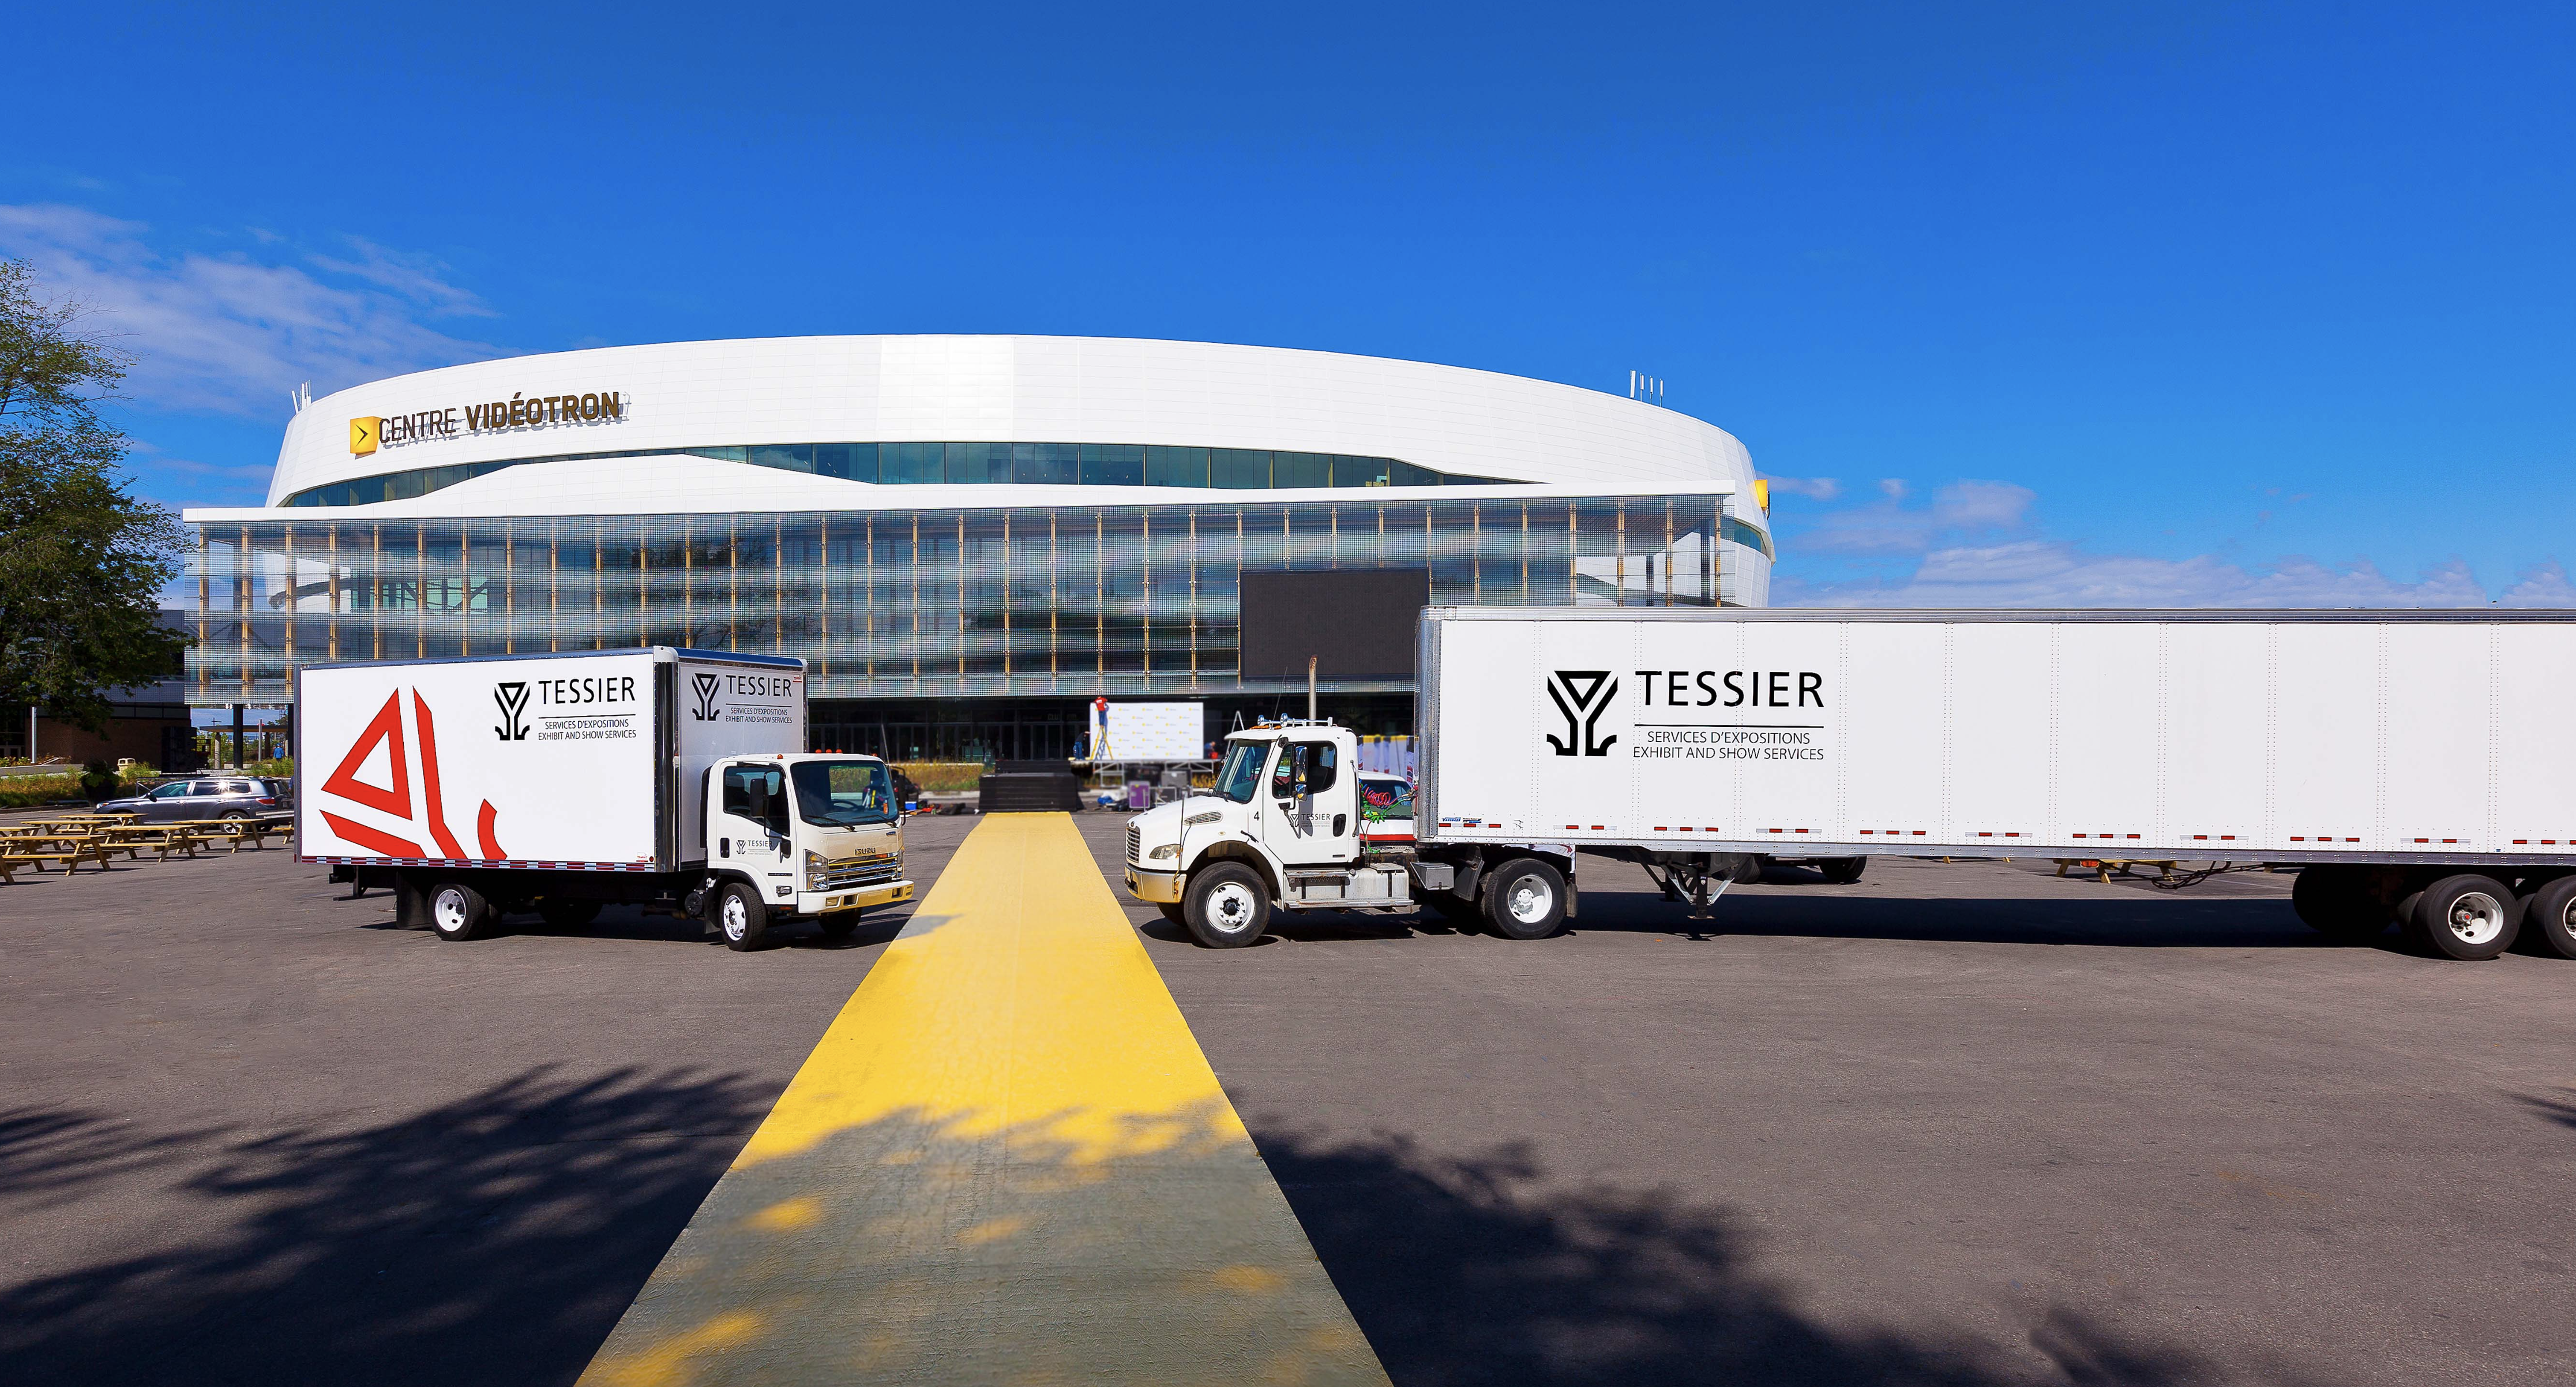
{"x": 2090, "y": 304}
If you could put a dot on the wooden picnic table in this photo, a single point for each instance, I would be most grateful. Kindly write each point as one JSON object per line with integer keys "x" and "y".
{"x": 256, "y": 830}
{"x": 70, "y": 856}
{"x": 169, "y": 838}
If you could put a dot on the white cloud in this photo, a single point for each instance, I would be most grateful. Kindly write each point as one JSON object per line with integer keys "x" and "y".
{"x": 1813, "y": 488}
{"x": 229, "y": 334}
{"x": 2048, "y": 573}
{"x": 2545, "y": 586}
{"x": 1963, "y": 510}
{"x": 1982, "y": 505}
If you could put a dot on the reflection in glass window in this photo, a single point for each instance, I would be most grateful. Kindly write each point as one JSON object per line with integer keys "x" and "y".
{"x": 963, "y": 464}
{"x": 1300, "y": 469}
{"x": 978, "y": 464}
{"x": 1355, "y": 471}
{"x": 1112, "y": 464}
{"x": 1238, "y": 468}
{"x": 1045, "y": 464}
{"x": 855, "y": 462}
{"x": 1176, "y": 467}
{"x": 909, "y": 462}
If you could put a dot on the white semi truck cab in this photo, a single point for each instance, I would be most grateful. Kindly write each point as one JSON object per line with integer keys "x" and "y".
{"x": 1292, "y": 823}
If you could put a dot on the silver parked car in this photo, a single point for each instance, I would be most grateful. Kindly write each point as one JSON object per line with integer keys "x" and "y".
{"x": 207, "y": 797}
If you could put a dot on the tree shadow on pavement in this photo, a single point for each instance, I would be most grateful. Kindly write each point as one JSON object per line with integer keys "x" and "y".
{"x": 494, "y": 1239}
{"x": 2551, "y": 1109}
{"x": 1462, "y": 1272}
{"x": 498, "y": 1239}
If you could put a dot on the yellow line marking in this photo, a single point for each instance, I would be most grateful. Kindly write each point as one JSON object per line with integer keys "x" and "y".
{"x": 1007, "y": 1159}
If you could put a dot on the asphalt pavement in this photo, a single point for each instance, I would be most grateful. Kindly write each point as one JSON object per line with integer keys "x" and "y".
{"x": 1960, "y": 1123}
{"x": 252, "y": 1132}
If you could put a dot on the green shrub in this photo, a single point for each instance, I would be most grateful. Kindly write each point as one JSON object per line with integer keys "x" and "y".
{"x": 37, "y": 791}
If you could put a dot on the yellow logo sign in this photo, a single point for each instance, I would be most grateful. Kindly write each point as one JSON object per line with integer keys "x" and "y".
{"x": 362, "y": 435}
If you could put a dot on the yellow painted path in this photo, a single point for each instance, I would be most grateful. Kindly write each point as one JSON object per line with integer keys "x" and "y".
{"x": 1007, "y": 1161}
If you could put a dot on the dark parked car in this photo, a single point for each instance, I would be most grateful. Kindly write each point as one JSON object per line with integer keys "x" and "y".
{"x": 207, "y": 797}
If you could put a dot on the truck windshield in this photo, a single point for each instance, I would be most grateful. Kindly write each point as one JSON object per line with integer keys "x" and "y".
{"x": 1241, "y": 773}
{"x": 843, "y": 794}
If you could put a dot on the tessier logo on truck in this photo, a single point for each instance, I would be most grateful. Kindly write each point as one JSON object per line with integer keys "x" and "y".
{"x": 1581, "y": 697}
{"x": 394, "y": 801}
{"x": 706, "y": 687}
{"x": 513, "y": 698}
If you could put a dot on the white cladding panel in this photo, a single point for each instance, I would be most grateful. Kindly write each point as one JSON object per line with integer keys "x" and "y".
{"x": 2536, "y": 738}
{"x": 680, "y": 395}
{"x": 1491, "y": 728}
{"x": 2192, "y": 738}
{"x": 1880, "y": 731}
{"x": 2328, "y": 740}
{"x": 429, "y": 761}
{"x": 2440, "y": 737}
{"x": 2099, "y": 708}
{"x": 1994, "y": 681}
{"x": 2217, "y": 743}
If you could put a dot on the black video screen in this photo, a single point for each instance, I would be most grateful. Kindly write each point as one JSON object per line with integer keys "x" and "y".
{"x": 1358, "y": 623}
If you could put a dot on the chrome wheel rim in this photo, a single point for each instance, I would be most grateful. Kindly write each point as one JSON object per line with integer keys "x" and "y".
{"x": 2476, "y": 918}
{"x": 737, "y": 921}
{"x": 448, "y": 909}
{"x": 1528, "y": 900}
{"x": 1230, "y": 907}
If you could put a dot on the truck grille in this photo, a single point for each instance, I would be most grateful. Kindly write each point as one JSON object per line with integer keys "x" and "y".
{"x": 859, "y": 871}
{"x": 1135, "y": 844}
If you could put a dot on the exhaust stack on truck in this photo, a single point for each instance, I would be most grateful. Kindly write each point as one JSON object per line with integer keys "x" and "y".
{"x": 2417, "y": 764}
{"x": 559, "y": 783}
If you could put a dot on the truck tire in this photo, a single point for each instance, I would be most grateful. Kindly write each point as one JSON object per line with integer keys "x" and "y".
{"x": 1175, "y": 912}
{"x": 567, "y": 914}
{"x": 840, "y": 924}
{"x": 2546, "y": 917}
{"x": 2468, "y": 917}
{"x": 1842, "y": 871}
{"x": 738, "y": 915}
{"x": 1226, "y": 906}
{"x": 2335, "y": 902}
{"x": 1525, "y": 900}
{"x": 458, "y": 911}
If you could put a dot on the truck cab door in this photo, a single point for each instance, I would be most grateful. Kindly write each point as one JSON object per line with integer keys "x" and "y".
{"x": 747, "y": 827}
{"x": 1310, "y": 814}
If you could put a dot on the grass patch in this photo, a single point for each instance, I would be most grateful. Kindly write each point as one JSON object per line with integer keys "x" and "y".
{"x": 943, "y": 777}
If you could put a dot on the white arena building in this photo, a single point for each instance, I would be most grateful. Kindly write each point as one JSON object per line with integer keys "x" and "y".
{"x": 967, "y": 538}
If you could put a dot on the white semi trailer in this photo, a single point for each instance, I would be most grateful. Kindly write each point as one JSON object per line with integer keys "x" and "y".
{"x": 2419, "y": 766}
{"x": 557, "y": 783}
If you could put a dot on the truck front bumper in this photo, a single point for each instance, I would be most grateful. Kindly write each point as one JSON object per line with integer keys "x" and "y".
{"x": 1153, "y": 887}
{"x": 853, "y": 898}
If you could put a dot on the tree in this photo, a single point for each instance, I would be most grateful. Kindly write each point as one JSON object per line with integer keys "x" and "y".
{"x": 82, "y": 561}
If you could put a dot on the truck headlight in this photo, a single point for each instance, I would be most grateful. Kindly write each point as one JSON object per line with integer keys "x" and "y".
{"x": 1164, "y": 853}
{"x": 813, "y": 870}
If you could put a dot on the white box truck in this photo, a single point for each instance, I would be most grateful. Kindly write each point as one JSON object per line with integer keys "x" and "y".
{"x": 2419, "y": 766}
{"x": 558, "y": 783}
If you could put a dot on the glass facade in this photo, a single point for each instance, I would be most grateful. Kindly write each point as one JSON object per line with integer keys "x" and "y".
{"x": 999, "y": 602}
{"x": 972, "y": 464}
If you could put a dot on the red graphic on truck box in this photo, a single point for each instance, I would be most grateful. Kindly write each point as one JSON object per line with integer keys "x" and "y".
{"x": 394, "y": 800}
